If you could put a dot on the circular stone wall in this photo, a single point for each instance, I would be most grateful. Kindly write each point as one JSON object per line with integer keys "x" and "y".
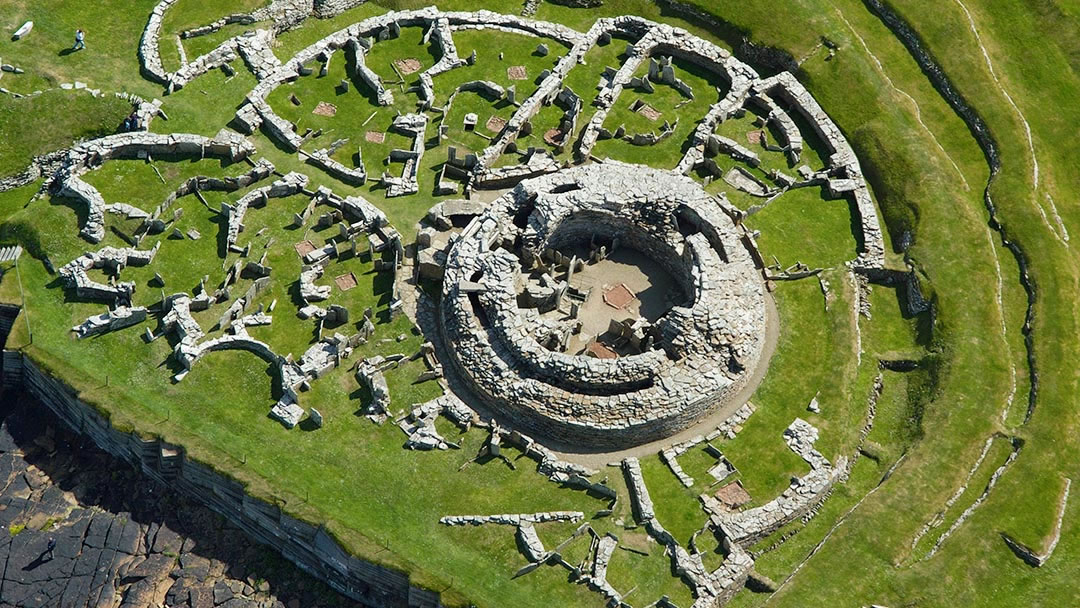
{"x": 696, "y": 356}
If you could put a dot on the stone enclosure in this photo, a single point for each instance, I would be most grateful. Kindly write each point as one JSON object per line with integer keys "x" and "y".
{"x": 691, "y": 360}
{"x": 504, "y": 333}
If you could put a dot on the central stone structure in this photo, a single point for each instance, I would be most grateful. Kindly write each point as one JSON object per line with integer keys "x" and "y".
{"x": 509, "y": 307}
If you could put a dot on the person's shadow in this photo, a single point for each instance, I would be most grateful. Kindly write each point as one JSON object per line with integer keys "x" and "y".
{"x": 46, "y": 556}
{"x": 66, "y": 51}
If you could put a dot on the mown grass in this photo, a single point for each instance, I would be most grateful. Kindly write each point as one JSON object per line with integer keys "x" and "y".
{"x": 974, "y": 567}
{"x": 189, "y": 14}
{"x": 56, "y": 119}
{"x": 109, "y": 61}
{"x": 784, "y": 235}
{"x": 939, "y": 415}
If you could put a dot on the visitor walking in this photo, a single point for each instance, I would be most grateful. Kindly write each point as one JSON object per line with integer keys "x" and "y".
{"x": 79, "y": 44}
{"x": 49, "y": 548}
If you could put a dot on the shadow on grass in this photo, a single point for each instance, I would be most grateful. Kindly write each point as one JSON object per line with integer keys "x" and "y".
{"x": 222, "y": 223}
{"x": 363, "y": 395}
{"x": 82, "y": 212}
{"x": 924, "y": 321}
{"x": 70, "y": 294}
{"x": 357, "y": 82}
{"x": 294, "y": 295}
{"x": 856, "y": 223}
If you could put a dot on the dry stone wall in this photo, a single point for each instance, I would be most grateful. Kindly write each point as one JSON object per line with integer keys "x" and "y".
{"x": 705, "y": 351}
{"x": 708, "y": 348}
{"x": 652, "y": 43}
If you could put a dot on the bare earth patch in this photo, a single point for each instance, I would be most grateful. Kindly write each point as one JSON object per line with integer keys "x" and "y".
{"x": 649, "y": 112}
{"x": 756, "y": 137}
{"x": 553, "y": 137}
{"x": 325, "y": 109}
{"x": 619, "y": 296}
{"x": 303, "y": 248}
{"x": 408, "y": 65}
{"x": 375, "y": 137}
{"x": 495, "y": 124}
{"x": 601, "y": 351}
{"x": 346, "y": 281}
{"x": 733, "y": 495}
{"x": 517, "y": 72}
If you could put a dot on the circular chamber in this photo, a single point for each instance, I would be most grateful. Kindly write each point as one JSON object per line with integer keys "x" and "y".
{"x": 604, "y": 306}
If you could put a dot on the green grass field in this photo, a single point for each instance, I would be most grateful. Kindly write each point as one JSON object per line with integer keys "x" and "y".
{"x": 927, "y": 174}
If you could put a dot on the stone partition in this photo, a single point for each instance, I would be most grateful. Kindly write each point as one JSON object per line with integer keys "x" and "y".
{"x": 92, "y": 154}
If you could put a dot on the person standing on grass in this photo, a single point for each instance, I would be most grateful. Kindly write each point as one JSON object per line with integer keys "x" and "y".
{"x": 79, "y": 44}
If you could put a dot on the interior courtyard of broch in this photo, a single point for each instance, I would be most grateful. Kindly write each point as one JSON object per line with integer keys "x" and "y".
{"x": 585, "y": 288}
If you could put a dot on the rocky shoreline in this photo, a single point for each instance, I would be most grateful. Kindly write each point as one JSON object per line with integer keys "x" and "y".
{"x": 121, "y": 539}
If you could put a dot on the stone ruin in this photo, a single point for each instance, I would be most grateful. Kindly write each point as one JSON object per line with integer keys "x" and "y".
{"x": 709, "y": 588}
{"x": 509, "y": 304}
{"x": 653, "y": 45}
{"x": 696, "y": 356}
{"x": 75, "y": 274}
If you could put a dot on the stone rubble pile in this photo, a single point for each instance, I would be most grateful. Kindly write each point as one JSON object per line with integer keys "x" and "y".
{"x": 119, "y": 318}
{"x": 534, "y": 163}
{"x": 179, "y": 321}
{"x": 262, "y": 170}
{"x": 531, "y": 543}
{"x": 255, "y": 48}
{"x": 309, "y": 291}
{"x": 422, "y": 434}
{"x": 94, "y": 228}
{"x": 730, "y": 427}
{"x": 352, "y": 176}
{"x": 604, "y": 550}
{"x": 370, "y": 377}
{"x": 210, "y": 28}
{"x": 450, "y": 405}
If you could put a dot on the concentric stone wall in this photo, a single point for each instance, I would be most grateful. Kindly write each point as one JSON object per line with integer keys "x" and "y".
{"x": 706, "y": 350}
